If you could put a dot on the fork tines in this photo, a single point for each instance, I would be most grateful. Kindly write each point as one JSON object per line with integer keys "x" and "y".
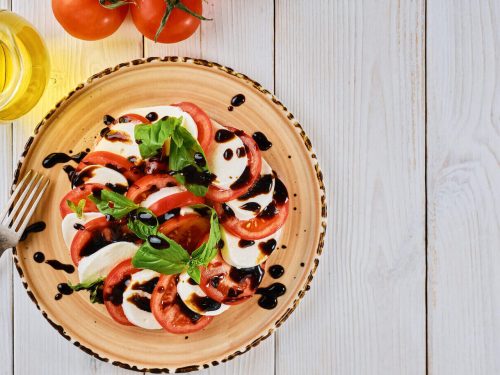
{"x": 22, "y": 204}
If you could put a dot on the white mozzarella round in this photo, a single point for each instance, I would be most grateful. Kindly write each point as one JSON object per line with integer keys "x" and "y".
{"x": 248, "y": 255}
{"x": 102, "y": 261}
{"x": 68, "y": 225}
{"x": 135, "y": 315}
{"x": 171, "y": 111}
{"x": 263, "y": 200}
{"x": 162, "y": 193}
{"x": 98, "y": 174}
{"x": 227, "y": 171}
{"x": 189, "y": 293}
{"x": 127, "y": 147}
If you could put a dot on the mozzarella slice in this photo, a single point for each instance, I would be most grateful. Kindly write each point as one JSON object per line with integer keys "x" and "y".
{"x": 242, "y": 254}
{"x": 160, "y": 194}
{"x": 135, "y": 315}
{"x": 227, "y": 169}
{"x": 98, "y": 174}
{"x": 171, "y": 111}
{"x": 71, "y": 221}
{"x": 102, "y": 261}
{"x": 193, "y": 297}
{"x": 120, "y": 140}
{"x": 261, "y": 200}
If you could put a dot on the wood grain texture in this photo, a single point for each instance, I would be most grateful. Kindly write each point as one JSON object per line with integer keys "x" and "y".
{"x": 463, "y": 186}
{"x": 230, "y": 39}
{"x": 72, "y": 61}
{"x": 353, "y": 73}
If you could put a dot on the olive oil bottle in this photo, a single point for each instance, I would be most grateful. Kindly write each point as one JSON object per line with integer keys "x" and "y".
{"x": 24, "y": 66}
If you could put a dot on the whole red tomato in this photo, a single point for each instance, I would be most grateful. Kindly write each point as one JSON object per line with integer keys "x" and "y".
{"x": 88, "y": 19}
{"x": 148, "y": 15}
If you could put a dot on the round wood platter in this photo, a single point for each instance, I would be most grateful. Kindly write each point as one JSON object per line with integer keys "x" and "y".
{"x": 75, "y": 123}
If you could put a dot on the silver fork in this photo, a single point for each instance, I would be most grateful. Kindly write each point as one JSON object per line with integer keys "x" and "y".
{"x": 20, "y": 207}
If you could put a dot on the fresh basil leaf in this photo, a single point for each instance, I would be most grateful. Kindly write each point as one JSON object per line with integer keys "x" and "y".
{"x": 78, "y": 209}
{"x": 169, "y": 261}
{"x": 183, "y": 148}
{"x": 114, "y": 204}
{"x": 141, "y": 229}
{"x": 194, "y": 273}
{"x": 94, "y": 287}
{"x": 151, "y": 137}
{"x": 208, "y": 250}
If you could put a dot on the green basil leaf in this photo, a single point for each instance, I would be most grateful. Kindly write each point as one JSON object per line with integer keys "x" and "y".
{"x": 194, "y": 273}
{"x": 208, "y": 250}
{"x": 142, "y": 230}
{"x": 94, "y": 287}
{"x": 168, "y": 261}
{"x": 114, "y": 204}
{"x": 152, "y": 137}
{"x": 78, "y": 209}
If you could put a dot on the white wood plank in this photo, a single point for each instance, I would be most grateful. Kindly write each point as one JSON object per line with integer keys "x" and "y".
{"x": 39, "y": 349}
{"x": 463, "y": 186}
{"x": 230, "y": 39}
{"x": 353, "y": 74}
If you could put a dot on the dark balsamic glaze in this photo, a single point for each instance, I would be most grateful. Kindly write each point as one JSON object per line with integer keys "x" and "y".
{"x": 104, "y": 131}
{"x": 33, "y": 228}
{"x": 191, "y": 281}
{"x": 123, "y": 119}
{"x": 116, "y": 136}
{"x": 251, "y": 206}
{"x": 238, "y": 100}
{"x": 39, "y": 257}
{"x": 204, "y": 303}
{"x": 194, "y": 317}
{"x": 242, "y": 180}
{"x": 58, "y": 296}
{"x": 65, "y": 289}
{"x": 227, "y": 212}
{"x": 147, "y": 286}
{"x": 61, "y": 157}
{"x": 269, "y": 295}
{"x": 199, "y": 159}
{"x": 280, "y": 194}
{"x": 262, "y": 142}
{"x": 55, "y": 264}
{"x": 196, "y": 177}
{"x": 145, "y": 217}
{"x": 142, "y": 303}
{"x": 241, "y": 152}
{"x": 228, "y": 154}
{"x": 230, "y": 108}
{"x": 158, "y": 242}
{"x": 79, "y": 178}
{"x": 245, "y": 243}
{"x": 70, "y": 171}
{"x": 269, "y": 212}
{"x": 169, "y": 215}
{"x": 115, "y": 231}
{"x": 223, "y": 135}
{"x": 116, "y": 295}
{"x": 302, "y": 264}
{"x": 276, "y": 271}
{"x": 117, "y": 188}
{"x": 268, "y": 246}
{"x": 254, "y": 274}
{"x": 262, "y": 186}
{"x": 108, "y": 120}
{"x": 152, "y": 116}
{"x": 215, "y": 281}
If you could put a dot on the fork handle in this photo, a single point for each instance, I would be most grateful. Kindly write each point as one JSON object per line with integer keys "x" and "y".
{"x": 8, "y": 239}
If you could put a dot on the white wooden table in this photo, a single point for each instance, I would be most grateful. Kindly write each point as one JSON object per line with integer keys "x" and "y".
{"x": 402, "y": 102}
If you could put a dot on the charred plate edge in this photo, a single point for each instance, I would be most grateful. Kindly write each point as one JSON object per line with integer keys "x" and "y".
{"x": 293, "y": 123}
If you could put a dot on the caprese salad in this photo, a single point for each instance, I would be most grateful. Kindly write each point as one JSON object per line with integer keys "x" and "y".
{"x": 171, "y": 217}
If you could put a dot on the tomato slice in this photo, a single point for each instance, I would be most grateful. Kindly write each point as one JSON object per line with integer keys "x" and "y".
{"x": 226, "y": 284}
{"x": 169, "y": 310}
{"x": 113, "y": 161}
{"x": 114, "y": 286}
{"x": 266, "y": 223}
{"x": 149, "y": 184}
{"x": 79, "y": 193}
{"x": 98, "y": 233}
{"x": 216, "y": 194}
{"x": 134, "y": 119}
{"x": 181, "y": 199}
{"x": 203, "y": 123}
{"x": 186, "y": 230}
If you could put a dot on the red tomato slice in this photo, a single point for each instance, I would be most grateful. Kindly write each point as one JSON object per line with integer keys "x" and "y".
{"x": 203, "y": 123}
{"x": 98, "y": 233}
{"x": 254, "y": 164}
{"x": 265, "y": 224}
{"x": 134, "y": 119}
{"x": 226, "y": 284}
{"x": 186, "y": 230}
{"x": 113, "y": 161}
{"x": 169, "y": 310}
{"x": 79, "y": 193}
{"x": 147, "y": 185}
{"x": 114, "y": 286}
{"x": 182, "y": 199}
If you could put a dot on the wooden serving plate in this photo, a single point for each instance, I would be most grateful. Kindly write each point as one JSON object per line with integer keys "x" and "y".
{"x": 74, "y": 124}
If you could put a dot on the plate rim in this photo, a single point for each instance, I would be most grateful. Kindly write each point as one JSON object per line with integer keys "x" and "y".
{"x": 294, "y": 125}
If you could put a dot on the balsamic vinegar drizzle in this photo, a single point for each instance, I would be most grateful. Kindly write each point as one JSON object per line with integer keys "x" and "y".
{"x": 33, "y": 228}
{"x": 152, "y": 116}
{"x": 238, "y": 100}
{"x": 263, "y": 186}
{"x": 276, "y": 271}
{"x": 108, "y": 120}
{"x": 204, "y": 303}
{"x": 223, "y": 135}
{"x": 63, "y": 289}
{"x": 268, "y": 246}
{"x": 228, "y": 154}
{"x": 269, "y": 295}
{"x": 147, "y": 286}
{"x": 141, "y": 302}
{"x": 262, "y": 142}
{"x": 39, "y": 257}
{"x": 60, "y": 157}
{"x": 116, "y": 295}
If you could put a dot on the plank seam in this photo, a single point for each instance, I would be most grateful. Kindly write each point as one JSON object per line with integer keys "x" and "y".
{"x": 426, "y": 284}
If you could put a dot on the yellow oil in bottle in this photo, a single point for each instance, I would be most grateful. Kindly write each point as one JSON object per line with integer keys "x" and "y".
{"x": 24, "y": 66}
